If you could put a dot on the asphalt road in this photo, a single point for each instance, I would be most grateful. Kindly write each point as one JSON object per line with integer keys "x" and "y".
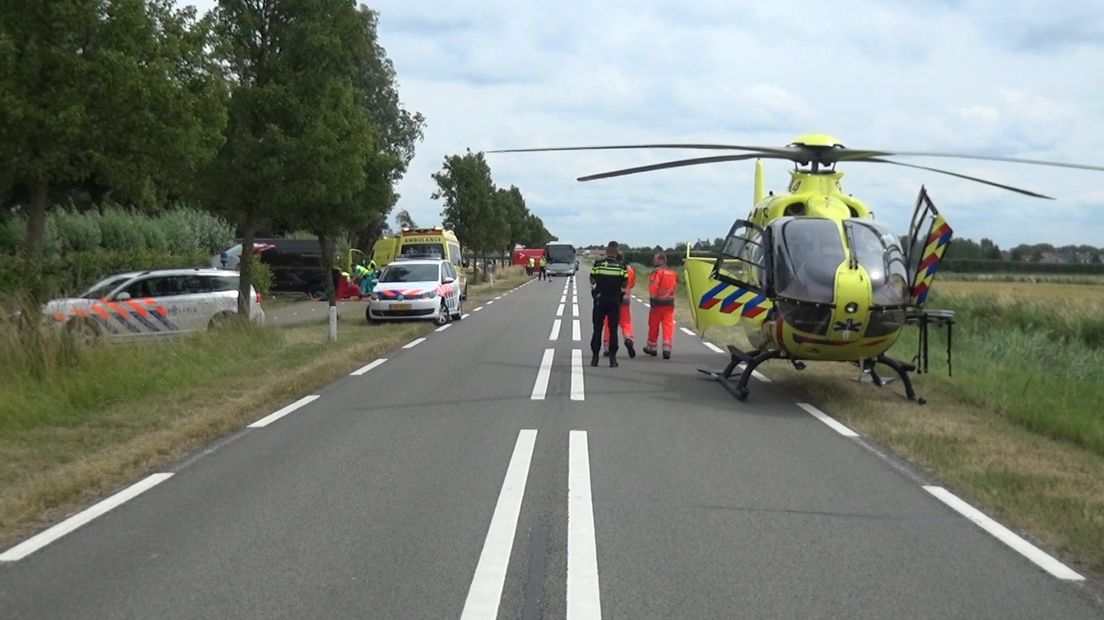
{"x": 466, "y": 477}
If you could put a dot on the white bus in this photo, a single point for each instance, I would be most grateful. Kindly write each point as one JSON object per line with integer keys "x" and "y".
{"x": 562, "y": 260}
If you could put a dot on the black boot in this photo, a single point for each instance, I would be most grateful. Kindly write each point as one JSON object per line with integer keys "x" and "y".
{"x": 631, "y": 349}
{"x": 594, "y": 359}
{"x": 613, "y": 361}
{"x": 666, "y": 355}
{"x": 649, "y": 351}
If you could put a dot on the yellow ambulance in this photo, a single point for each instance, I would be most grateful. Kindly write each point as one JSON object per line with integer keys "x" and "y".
{"x": 423, "y": 243}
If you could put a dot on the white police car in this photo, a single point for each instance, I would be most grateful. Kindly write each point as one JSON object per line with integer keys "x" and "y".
{"x": 416, "y": 289}
{"x": 151, "y": 304}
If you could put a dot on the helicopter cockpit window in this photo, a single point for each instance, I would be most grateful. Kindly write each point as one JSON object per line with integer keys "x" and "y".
{"x": 877, "y": 249}
{"x": 811, "y": 253}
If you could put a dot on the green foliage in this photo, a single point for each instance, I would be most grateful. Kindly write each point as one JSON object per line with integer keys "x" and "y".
{"x": 119, "y": 92}
{"x": 71, "y": 273}
{"x": 76, "y": 232}
{"x": 464, "y": 184}
{"x": 13, "y": 230}
{"x": 262, "y": 277}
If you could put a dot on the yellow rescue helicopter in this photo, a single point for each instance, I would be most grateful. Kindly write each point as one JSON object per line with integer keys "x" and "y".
{"x": 809, "y": 273}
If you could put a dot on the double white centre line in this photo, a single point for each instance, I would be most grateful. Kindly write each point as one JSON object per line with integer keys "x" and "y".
{"x": 576, "y": 333}
{"x": 555, "y": 335}
{"x": 485, "y": 592}
{"x": 577, "y": 392}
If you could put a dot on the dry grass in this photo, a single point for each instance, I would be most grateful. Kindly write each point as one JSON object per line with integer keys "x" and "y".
{"x": 57, "y": 459}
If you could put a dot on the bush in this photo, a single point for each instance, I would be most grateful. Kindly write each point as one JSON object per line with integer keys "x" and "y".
{"x": 119, "y": 232}
{"x": 191, "y": 230}
{"x": 13, "y": 231}
{"x": 76, "y": 232}
{"x": 262, "y": 277}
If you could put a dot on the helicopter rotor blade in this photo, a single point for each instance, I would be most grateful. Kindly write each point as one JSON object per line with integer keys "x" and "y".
{"x": 678, "y": 163}
{"x": 961, "y": 176}
{"x": 856, "y": 155}
{"x": 773, "y": 150}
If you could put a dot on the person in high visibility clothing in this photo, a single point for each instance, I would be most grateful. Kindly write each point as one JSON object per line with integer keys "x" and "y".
{"x": 530, "y": 266}
{"x": 608, "y": 279}
{"x": 543, "y": 267}
{"x": 661, "y": 290}
{"x": 625, "y": 316}
{"x": 365, "y": 277}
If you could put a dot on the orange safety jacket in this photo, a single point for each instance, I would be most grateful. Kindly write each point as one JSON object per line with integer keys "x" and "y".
{"x": 661, "y": 287}
{"x": 629, "y": 286}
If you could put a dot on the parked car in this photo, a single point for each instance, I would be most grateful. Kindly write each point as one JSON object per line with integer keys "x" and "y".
{"x": 296, "y": 264}
{"x": 152, "y": 304}
{"x": 416, "y": 289}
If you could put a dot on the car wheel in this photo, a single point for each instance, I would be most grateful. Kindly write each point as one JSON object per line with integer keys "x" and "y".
{"x": 442, "y": 314}
{"x": 459, "y": 310}
{"x": 368, "y": 316}
{"x": 220, "y": 320}
{"x": 83, "y": 331}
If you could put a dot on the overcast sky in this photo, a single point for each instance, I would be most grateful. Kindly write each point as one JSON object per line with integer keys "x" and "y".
{"x": 1014, "y": 78}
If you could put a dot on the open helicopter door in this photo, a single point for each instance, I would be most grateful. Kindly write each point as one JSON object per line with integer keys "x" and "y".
{"x": 741, "y": 270}
{"x": 928, "y": 238}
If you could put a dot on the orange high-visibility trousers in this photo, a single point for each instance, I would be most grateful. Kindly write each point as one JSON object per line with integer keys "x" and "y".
{"x": 661, "y": 316}
{"x": 626, "y": 326}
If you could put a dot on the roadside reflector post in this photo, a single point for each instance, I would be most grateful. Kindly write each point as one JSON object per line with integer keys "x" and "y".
{"x": 333, "y": 323}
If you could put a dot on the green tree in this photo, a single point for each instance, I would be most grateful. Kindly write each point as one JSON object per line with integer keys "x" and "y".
{"x": 403, "y": 219}
{"x": 465, "y": 187}
{"x": 299, "y": 142}
{"x": 118, "y": 91}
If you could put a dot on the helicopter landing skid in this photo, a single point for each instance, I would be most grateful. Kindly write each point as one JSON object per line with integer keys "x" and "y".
{"x": 750, "y": 363}
{"x": 902, "y": 369}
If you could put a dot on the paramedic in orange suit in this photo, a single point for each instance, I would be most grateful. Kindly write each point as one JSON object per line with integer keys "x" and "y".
{"x": 626, "y": 317}
{"x": 661, "y": 289}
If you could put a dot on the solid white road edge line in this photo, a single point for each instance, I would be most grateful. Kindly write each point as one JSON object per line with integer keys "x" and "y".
{"x": 577, "y": 392}
{"x": 583, "y": 599}
{"x": 687, "y": 331}
{"x": 364, "y": 369}
{"x": 559, "y": 310}
{"x": 1041, "y": 559}
{"x": 40, "y": 540}
{"x": 443, "y": 327}
{"x": 827, "y": 419}
{"x": 485, "y": 592}
{"x": 414, "y": 343}
{"x": 540, "y": 387}
{"x": 276, "y": 415}
{"x": 555, "y": 334}
{"x": 712, "y": 347}
{"x": 576, "y": 332}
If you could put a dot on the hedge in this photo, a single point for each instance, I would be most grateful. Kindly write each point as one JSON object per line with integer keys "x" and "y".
{"x": 73, "y": 272}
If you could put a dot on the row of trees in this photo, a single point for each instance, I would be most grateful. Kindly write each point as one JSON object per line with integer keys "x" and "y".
{"x": 276, "y": 113}
{"x": 487, "y": 218}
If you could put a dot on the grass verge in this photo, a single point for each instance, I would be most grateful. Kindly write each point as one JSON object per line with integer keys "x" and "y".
{"x": 83, "y": 421}
{"x": 1017, "y": 429}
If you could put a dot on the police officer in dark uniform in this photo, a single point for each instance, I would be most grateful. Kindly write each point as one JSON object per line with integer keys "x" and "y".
{"x": 608, "y": 279}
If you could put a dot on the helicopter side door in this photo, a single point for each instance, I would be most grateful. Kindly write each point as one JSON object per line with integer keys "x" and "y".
{"x": 928, "y": 238}
{"x": 743, "y": 272}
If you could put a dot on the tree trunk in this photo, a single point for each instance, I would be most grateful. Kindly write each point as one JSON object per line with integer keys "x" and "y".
{"x": 327, "y": 244}
{"x": 245, "y": 264}
{"x": 36, "y": 236}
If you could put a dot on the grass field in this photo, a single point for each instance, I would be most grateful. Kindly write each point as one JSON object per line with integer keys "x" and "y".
{"x": 76, "y": 422}
{"x": 1019, "y": 428}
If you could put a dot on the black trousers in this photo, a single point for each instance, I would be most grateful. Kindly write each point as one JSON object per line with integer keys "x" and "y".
{"x": 605, "y": 309}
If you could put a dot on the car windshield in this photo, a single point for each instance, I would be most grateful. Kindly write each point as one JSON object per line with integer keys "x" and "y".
{"x": 100, "y": 289}
{"x": 561, "y": 254}
{"x": 409, "y": 273}
{"x": 423, "y": 250}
